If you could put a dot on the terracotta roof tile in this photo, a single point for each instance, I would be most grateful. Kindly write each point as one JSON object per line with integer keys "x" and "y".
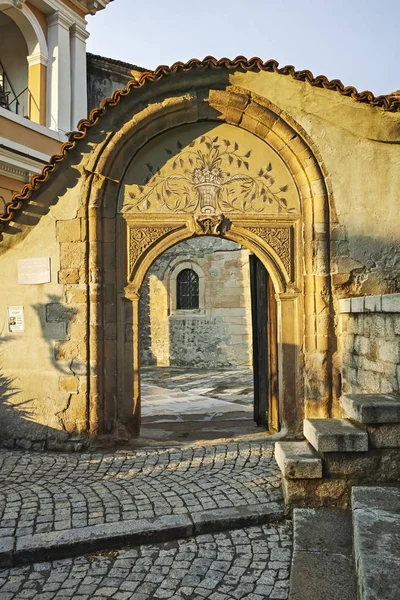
{"x": 389, "y": 102}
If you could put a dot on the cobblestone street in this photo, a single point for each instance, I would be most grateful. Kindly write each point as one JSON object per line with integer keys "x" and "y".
{"x": 224, "y": 499}
{"x": 251, "y": 563}
{"x": 42, "y": 493}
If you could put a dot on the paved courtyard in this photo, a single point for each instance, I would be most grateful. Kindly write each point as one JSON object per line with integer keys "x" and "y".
{"x": 182, "y": 394}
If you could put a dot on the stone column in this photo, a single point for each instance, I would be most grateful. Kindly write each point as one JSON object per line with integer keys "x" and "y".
{"x": 78, "y": 75}
{"x": 290, "y": 393}
{"x": 59, "y": 73}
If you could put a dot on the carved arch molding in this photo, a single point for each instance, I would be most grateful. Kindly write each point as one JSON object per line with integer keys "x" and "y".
{"x": 276, "y": 237}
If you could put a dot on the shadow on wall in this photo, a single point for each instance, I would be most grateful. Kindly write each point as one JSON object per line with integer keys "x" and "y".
{"x": 20, "y": 416}
{"x": 18, "y": 429}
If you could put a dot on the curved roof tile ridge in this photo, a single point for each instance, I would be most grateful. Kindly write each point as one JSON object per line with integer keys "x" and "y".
{"x": 388, "y": 102}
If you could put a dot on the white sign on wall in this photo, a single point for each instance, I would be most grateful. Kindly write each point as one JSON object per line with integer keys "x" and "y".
{"x": 34, "y": 270}
{"x": 16, "y": 320}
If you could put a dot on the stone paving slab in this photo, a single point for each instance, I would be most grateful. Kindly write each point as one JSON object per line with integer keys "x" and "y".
{"x": 246, "y": 564}
{"x": 64, "y": 502}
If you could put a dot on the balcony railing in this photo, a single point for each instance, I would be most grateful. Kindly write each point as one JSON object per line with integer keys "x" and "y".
{"x": 20, "y": 104}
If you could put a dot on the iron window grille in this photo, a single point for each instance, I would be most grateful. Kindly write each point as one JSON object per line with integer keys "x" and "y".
{"x": 187, "y": 290}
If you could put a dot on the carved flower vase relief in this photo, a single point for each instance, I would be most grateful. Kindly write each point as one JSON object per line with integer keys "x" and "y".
{"x": 210, "y": 175}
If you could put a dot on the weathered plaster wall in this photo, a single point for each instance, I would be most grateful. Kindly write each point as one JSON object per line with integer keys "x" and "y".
{"x": 216, "y": 335}
{"x": 359, "y": 147}
{"x": 43, "y": 370}
{"x": 370, "y": 344}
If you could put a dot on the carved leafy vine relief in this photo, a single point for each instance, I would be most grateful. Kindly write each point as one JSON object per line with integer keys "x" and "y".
{"x": 279, "y": 240}
{"x": 141, "y": 238}
{"x": 210, "y": 175}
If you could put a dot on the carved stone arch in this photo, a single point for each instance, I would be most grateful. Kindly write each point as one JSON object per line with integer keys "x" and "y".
{"x": 152, "y": 240}
{"x": 303, "y": 293}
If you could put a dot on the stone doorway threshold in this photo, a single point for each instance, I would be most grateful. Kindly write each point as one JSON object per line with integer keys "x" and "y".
{"x": 181, "y": 405}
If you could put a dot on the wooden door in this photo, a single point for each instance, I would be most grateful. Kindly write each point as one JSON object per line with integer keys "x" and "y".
{"x": 263, "y": 310}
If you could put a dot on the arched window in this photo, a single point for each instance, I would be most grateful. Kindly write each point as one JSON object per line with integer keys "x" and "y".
{"x": 187, "y": 290}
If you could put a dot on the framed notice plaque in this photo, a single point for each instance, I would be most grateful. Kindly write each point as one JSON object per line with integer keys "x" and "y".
{"x": 16, "y": 320}
{"x": 34, "y": 270}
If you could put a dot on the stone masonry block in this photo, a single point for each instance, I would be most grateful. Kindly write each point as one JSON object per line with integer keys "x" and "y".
{"x": 384, "y": 435}
{"x": 391, "y": 303}
{"x": 344, "y": 305}
{"x": 59, "y": 312}
{"x": 55, "y": 331}
{"x": 357, "y": 305}
{"x": 335, "y": 435}
{"x": 298, "y": 460}
{"x": 72, "y": 255}
{"x": 373, "y": 303}
{"x": 368, "y": 382}
{"x": 78, "y": 331}
{"x": 396, "y": 324}
{"x": 362, "y": 345}
{"x": 77, "y": 295}
{"x": 389, "y": 350}
{"x": 68, "y": 276}
{"x": 69, "y": 231}
{"x": 372, "y": 408}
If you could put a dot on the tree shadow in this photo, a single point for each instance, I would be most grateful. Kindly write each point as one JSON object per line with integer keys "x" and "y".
{"x": 18, "y": 426}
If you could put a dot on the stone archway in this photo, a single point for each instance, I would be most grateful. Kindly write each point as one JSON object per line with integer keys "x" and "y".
{"x": 149, "y": 241}
{"x": 293, "y": 246}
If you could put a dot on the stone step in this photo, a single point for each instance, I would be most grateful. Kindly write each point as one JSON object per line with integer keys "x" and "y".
{"x": 298, "y": 460}
{"x": 322, "y": 563}
{"x": 372, "y": 408}
{"x": 335, "y": 435}
{"x": 376, "y": 526}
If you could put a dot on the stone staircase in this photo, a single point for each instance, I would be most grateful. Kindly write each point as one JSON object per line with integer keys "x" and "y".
{"x": 363, "y": 448}
{"x": 348, "y": 554}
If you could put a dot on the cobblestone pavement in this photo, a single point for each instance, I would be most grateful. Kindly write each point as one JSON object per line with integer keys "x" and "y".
{"x": 45, "y": 492}
{"x": 246, "y": 564}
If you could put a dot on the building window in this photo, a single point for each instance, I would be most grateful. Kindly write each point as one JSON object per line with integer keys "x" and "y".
{"x": 187, "y": 290}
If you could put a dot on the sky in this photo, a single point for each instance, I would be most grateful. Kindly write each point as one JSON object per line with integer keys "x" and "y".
{"x": 356, "y": 41}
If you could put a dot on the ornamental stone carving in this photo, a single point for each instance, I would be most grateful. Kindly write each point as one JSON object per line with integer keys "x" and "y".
{"x": 210, "y": 225}
{"x": 141, "y": 238}
{"x": 279, "y": 238}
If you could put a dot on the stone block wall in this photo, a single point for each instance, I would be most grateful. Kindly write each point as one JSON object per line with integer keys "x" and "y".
{"x": 216, "y": 335}
{"x": 370, "y": 344}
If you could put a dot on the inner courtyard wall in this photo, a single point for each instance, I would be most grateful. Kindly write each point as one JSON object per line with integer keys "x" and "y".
{"x": 218, "y": 333}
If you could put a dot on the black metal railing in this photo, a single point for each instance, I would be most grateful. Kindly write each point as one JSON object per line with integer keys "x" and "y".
{"x": 20, "y": 104}
{"x": 7, "y": 92}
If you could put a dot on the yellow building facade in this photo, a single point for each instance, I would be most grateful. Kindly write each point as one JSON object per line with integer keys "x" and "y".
{"x": 42, "y": 83}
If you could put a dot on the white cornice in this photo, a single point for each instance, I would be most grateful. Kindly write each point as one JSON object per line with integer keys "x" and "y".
{"x": 50, "y": 6}
{"x": 19, "y": 162}
{"x": 37, "y": 59}
{"x": 79, "y": 32}
{"x": 61, "y": 19}
{"x": 13, "y": 172}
